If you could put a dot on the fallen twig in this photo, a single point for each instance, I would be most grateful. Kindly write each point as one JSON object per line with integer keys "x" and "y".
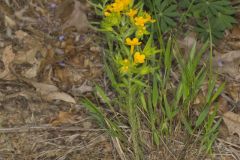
{"x": 46, "y": 128}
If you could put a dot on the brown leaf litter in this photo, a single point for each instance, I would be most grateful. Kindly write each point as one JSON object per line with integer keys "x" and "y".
{"x": 47, "y": 64}
{"x": 77, "y": 18}
{"x": 226, "y": 63}
{"x": 232, "y": 120}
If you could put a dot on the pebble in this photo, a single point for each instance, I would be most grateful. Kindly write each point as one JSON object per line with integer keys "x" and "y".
{"x": 2, "y": 44}
{"x": 95, "y": 49}
{"x": 87, "y": 125}
{"x": 59, "y": 51}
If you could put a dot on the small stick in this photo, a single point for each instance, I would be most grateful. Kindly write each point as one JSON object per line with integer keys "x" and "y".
{"x": 228, "y": 143}
{"x": 45, "y": 128}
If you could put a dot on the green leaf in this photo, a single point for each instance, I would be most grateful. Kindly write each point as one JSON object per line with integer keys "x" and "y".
{"x": 155, "y": 94}
{"x": 102, "y": 95}
{"x": 217, "y": 93}
{"x": 202, "y": 116}
{"x": 138, "y": 82}
{"x": 167, "y": 107}
{"x": 142, "y": 98}
{"x": 187, "y": 125}
{"x": 95, "y": 111}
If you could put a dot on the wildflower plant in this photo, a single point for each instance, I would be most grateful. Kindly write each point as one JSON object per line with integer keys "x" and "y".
{"x": 125, "y": 25}
{"x": 139, "y": 74}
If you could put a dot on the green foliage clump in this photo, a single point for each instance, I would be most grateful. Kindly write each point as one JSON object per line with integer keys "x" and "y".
{"x": 207, "y": 16}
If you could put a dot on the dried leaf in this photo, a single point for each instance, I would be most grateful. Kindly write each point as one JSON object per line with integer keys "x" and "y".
{"x": 42, "y": 88}
{"x": 187, "y": 42}
{"x": 87, "y": 125}
{"x": 8, "y": 57}
{"x": 235, "y": 32}
{"x": 82, "y": 89}
{"x": 60, "y": 96}
{"x": 30, "y": 56}
{"x": 232, "y": 120}
{"x": 9, "y": 22}
{"x": 228, "y": 63}
{"x": 20, "y": 34}
{"x": 32, "y": 72}
{"x": 235, "y": 45}
{"x": 62, "y": 118}
{"x": 47, "y": 91}
{"x": 26, "y": 57}
{"x": 233, "y": 89}
{"x": 20, "y": 15}
{"x": 77, "y": 18}
{"x": 228, "y": 57}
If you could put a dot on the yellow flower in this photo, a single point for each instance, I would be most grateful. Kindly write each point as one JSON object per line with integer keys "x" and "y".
{"x": 124, "y": 2}
{"x": 125, "y": 66}
{"x": 124, "y": 69}
{"x": 106, "y": 13}
{"x": 149, "y": 18}
{"x": 132, "y": 43}
{"x": 139, "y": 58}
{"x": 125, "y": 62}
{"x": 140, "y": 21}
{"x": 132, "y": 12}
{"x": 108, "y": 7}
{"x": 141, "y": 31}
{"x": 117, "y": 7}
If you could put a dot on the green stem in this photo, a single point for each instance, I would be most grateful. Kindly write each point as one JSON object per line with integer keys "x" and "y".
{"x": 159, "y": 32}
{"x": 133, "y": 121}
{"x": 211, "y": 50}
{"x": 184, "y": 15}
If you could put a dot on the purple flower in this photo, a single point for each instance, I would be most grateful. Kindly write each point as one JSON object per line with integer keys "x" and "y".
{"x": 61, "y": 63}
{"x": 53, "y": 5}
{"x": 220, "y": 63}
{"x": 61, "y": 38}
{"x": 82, "y": 37}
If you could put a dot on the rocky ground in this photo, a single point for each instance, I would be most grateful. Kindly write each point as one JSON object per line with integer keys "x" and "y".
{"x": 50, "y": 58}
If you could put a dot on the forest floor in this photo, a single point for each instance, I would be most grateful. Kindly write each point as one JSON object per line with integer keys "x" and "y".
{"x": 50, "y": 58}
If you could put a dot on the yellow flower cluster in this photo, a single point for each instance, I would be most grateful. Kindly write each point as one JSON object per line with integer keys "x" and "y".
{"x": 138, "y": 58}
{"x": 139, "y": 19}
{"x": 123, "y": 6}
{"x": 140, "y": 23}
{"x": 142, "y": 20}
{"x": 132, "y": 13}
{"x": 117, "y": 6}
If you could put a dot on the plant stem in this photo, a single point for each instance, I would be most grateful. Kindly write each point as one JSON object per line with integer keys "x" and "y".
{"x": 133, "y": 120}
